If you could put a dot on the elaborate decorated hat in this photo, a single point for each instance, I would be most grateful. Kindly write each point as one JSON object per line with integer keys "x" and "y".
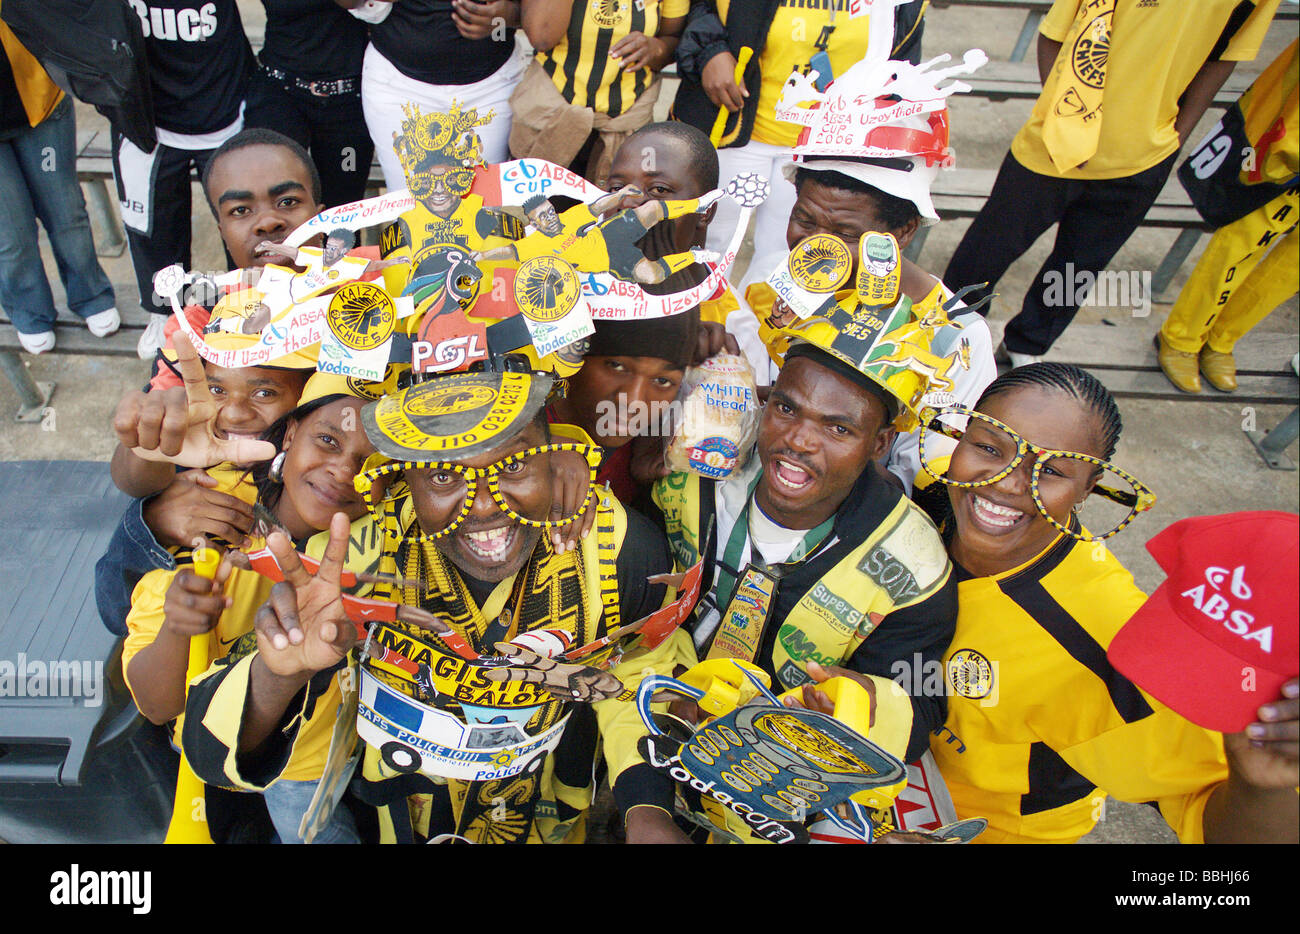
{"x": 224, "y": 334}
{"x": 872, "y": 330}
{"x": 884, "y": 123}
{"x": 458, "y": 415}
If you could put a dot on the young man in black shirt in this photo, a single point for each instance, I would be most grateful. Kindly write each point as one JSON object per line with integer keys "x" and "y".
{"x": 308, "y": 87}
{"x": 199, "y": 61}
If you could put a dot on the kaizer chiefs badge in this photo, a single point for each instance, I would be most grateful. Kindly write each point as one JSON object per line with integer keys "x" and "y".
{"x": 361, "y": 315}
{"x": 970, "y": 674}
{"x": 546, "y": 288}
{"x": 609, "y": 12}
{"x": 449, "y": 400}
{"x": 820, "y": 263}
{"x": 1091, "y": 49}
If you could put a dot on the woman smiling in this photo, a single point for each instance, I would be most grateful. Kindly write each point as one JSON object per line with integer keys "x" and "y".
{"x": 322, "y": 447}
{"x": 1041, "y": 728}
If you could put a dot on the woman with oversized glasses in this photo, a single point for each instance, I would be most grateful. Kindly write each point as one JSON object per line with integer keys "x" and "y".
{"x": 1040, "y": 727}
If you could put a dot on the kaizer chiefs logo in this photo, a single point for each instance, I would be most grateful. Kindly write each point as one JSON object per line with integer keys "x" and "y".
{"x": 546, "y": 288}
{"x": 820, "y": 263}
{"x": 970, "y": 674}
{"x": 609, "y": 12}
{"x": 794, "y": 734}
{"x": 449, "y": 400}
{"x": 1090, "y": 51}
{"x": 361, "y": 315}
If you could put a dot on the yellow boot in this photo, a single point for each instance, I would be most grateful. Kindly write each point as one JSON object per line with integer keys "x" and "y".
{"x": 1219, "y": 369}
{"x": 1181, "y": 368}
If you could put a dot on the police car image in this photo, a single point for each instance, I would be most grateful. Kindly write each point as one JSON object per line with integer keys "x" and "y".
{"x": 488, "y": 743}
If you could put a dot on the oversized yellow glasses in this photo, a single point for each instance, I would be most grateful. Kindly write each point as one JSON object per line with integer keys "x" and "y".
{"x": 456, "y": 181}
{"x": 456, "y": 479}
{"x": 1119, "y": 495}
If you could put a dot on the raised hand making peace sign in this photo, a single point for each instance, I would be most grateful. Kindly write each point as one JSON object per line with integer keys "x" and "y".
{"x": 304, "y": 628}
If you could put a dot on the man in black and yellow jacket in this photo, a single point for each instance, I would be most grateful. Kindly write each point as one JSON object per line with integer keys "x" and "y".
{"x": 468, "y": 469}
{"x": 861, "y": 581}
{"x": 815, "y": 564}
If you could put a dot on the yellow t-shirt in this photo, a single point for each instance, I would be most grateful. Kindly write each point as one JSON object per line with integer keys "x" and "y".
{"x": 790, "y": 45}
{"x": 580, "y": 64}
{"x": 715, "y": 310}
{"x": 1040, "y": 727}
{"x": 145, "y": 618}
{"x": 1155, "y": 51}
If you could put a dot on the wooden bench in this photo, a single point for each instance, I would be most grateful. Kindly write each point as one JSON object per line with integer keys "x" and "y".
{"x": 962, "y": 193}
{"x": 1002, "y": 81}
{"x": 1034, "y": 12}
{"x": 1123, "y": 356}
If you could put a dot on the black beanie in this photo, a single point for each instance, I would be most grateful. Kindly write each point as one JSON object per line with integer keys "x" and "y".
{"x": 673, "y": 338}
{"x": 851, "y": 373}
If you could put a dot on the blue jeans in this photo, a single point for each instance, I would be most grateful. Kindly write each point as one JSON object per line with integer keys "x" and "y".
{"x": 287, "y": 802}
{"x": 132, "y": 553}
{"x": 38, "y": 178}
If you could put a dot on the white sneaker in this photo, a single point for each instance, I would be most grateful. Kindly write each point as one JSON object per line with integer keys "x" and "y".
{"x": 37, "y": 343}
{"x": 104, "y": 323}
{"x": 1295, "y": 364}
{"x": 1002, "y": 355}
{"x": 1022, "y": 359}
{"x": 153, "y": 339}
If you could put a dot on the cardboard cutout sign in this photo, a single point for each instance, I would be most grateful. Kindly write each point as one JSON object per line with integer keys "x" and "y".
{"x": 772, "y": 765}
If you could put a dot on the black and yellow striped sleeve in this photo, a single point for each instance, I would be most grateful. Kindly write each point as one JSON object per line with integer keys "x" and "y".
{"x": 214, "y": 717}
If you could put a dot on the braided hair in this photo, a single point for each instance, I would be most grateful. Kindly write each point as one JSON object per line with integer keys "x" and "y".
{"x": 1073, "y": 381}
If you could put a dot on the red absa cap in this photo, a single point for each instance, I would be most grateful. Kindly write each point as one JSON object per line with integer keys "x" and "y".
{"x": 1218, "y": 639}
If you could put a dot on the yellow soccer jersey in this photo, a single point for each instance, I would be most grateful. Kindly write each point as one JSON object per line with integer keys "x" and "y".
{"x": 145, "y": 618}
{"x": 578, "y": 242}
{"x": 1040, "y": 727}
{"x": 1154, "y": 52}
{"x": 580, "y": 64}
{"x": 791, "y": 44}
{"x": 715, "y": 310}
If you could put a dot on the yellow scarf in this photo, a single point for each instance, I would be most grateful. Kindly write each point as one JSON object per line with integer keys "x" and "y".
{"x": 1072, "y": 125}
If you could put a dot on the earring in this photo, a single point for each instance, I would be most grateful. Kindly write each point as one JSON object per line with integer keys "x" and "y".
{"x": 276, "y": 473}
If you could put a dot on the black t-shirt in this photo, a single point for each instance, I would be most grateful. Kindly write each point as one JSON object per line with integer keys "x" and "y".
{"x": 313, "y": 39}
{"x": 13, "y": 116}
{"x": 421, "y": 41}
{"x": 199, "y": 62}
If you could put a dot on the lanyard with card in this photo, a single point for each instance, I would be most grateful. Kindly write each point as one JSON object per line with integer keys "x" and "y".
{"x": 741, "y": 626}
{"x": 821, "y": 61}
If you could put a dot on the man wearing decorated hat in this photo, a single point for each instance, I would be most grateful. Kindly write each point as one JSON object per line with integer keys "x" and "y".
{"x": 850, "y": 575}
{"x": 877, "y": 181}
{"x": 461, "y": 490}
{"x": 771, "y": 37}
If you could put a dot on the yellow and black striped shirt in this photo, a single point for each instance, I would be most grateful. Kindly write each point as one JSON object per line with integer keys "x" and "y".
{"x": 580, "y": 64}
